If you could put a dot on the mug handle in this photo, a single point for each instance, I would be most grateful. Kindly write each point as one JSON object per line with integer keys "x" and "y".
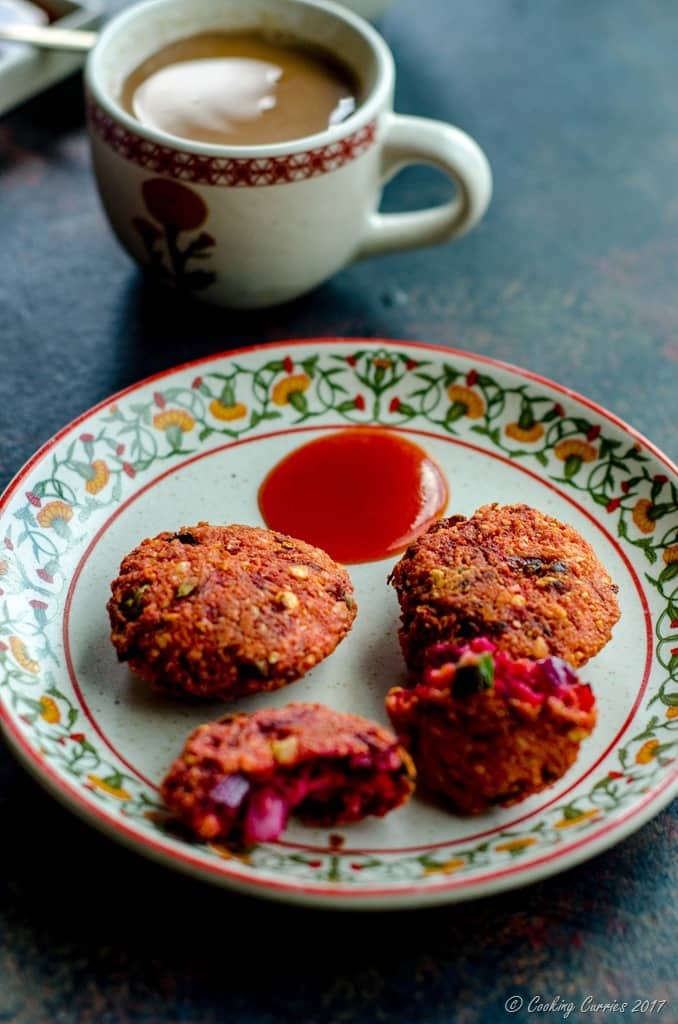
{"x": 420, "y": 140}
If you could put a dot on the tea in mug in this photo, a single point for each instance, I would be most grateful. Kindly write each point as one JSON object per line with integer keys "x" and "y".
{"x": 240, "y": 89}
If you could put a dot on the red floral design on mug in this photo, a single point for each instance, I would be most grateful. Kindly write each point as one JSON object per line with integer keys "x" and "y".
{"x": 177, "y": 209}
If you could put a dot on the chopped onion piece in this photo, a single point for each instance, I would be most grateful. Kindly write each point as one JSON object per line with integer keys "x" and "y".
{"x": 231, "y": 791}
{"x": 558, "y": 672}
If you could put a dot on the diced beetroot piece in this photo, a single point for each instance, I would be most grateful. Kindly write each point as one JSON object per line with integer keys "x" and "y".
{"x": 438, "y": 654}
{"x": 297, "y": 789}
{"x": 584, "y": 695}
{"x": 361, "y": 761}
{"x": 481, "y": 645}
{"x": 521, "y": 691}
{"x": 439, "y": 677}
{"x": 266, "y": 816}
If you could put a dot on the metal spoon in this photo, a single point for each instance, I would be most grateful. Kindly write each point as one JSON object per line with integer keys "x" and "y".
{"x": 49, "y": 38}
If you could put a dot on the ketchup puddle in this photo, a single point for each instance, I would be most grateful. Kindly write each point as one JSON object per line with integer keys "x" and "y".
{"x": 361, "y": 494}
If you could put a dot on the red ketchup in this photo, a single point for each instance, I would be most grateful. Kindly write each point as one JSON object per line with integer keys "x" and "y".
{"x": 360, "y": 494}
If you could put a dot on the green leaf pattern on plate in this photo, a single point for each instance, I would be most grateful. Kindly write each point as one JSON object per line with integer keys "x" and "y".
{"x": 138, "y": 435}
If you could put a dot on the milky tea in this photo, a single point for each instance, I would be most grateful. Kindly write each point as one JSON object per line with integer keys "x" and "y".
{"x": 240, "y": 89}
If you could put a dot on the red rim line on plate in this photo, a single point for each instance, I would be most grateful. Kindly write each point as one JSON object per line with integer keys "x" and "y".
{"x": 198, "y": 456}
{"x": 170, "y": 854}
{"x": 329, "y": 340}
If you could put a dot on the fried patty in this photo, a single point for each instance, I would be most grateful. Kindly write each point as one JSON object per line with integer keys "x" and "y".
{"x": 530, "y": 583}
{"x": 238, "y": 779}
{"x": 223, "y": 611}
{"x": 486, "y": 730}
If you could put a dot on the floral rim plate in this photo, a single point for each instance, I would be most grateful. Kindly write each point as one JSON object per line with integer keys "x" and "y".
{"x": 194, "y": 443}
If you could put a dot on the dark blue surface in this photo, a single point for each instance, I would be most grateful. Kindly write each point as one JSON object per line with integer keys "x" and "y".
{"x": 573, "y": 275}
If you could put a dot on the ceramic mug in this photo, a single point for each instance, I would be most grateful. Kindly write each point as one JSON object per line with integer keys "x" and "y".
{"x": 250, "y": 226}
{"x": 368, "y": 8}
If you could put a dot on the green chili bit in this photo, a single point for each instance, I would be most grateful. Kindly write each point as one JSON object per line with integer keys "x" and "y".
{"x": 474, "y": 677}
{"x": 132, "y": 605}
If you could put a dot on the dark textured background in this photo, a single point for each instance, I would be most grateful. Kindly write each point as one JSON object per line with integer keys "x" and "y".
{"x": 572, "y": 274}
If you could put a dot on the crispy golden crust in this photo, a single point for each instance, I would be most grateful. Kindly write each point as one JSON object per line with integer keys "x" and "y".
{"x": 486, "y": 751}
{"x": 530, "y": 583}
{"x": 222, "y": 611}
{"x": 259, "y": 743}
{"x": 288, "y": 751}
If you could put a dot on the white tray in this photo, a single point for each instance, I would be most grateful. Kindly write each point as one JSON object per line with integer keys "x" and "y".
{"x": 26, "y": 71}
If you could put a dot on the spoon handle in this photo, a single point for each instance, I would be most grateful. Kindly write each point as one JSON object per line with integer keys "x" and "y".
{"x": 49, "y": 38}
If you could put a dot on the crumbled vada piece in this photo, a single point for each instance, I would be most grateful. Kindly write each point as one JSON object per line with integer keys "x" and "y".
{"x": 224, "y": 611}
{"x": 239, "y": 779}
{"x": 530, "y": 583}
{"x": 485, "y": 729}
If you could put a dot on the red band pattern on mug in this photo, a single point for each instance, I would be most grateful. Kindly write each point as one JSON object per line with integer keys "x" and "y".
{"x": 239, "y": 172}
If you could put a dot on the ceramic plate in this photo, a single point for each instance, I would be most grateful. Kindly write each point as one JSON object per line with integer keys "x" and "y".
{"x": 194, "y": 443}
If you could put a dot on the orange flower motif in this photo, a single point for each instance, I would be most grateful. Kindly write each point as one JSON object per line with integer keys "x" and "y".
{"x": 54, "y": 512}
{"x": 446, "y": 868}
{"x": 513, "y": 845}
{"x": 174, "y": 418}
{"x": 107, "y": 787}
{"x": 3, "y": 567}
{"x": 475, "y": 406}
{"x": 381, "y": 362}
{"x": 284, "y": 388}
{"x": 577, "y": 819}
{"x": 647, "y": 752}
{"x": 572, "y": 448}
{"x": 641, "y": 515}
{"x": 100, "y": 477}
{"x": 670, "y": 554}
{"x": 18, "y": 649}
{"x": 527, "y": 435}
{"x": 672, "y": 712}
{"x": 50, "y": 712}
{"x": 227, "y": 412}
